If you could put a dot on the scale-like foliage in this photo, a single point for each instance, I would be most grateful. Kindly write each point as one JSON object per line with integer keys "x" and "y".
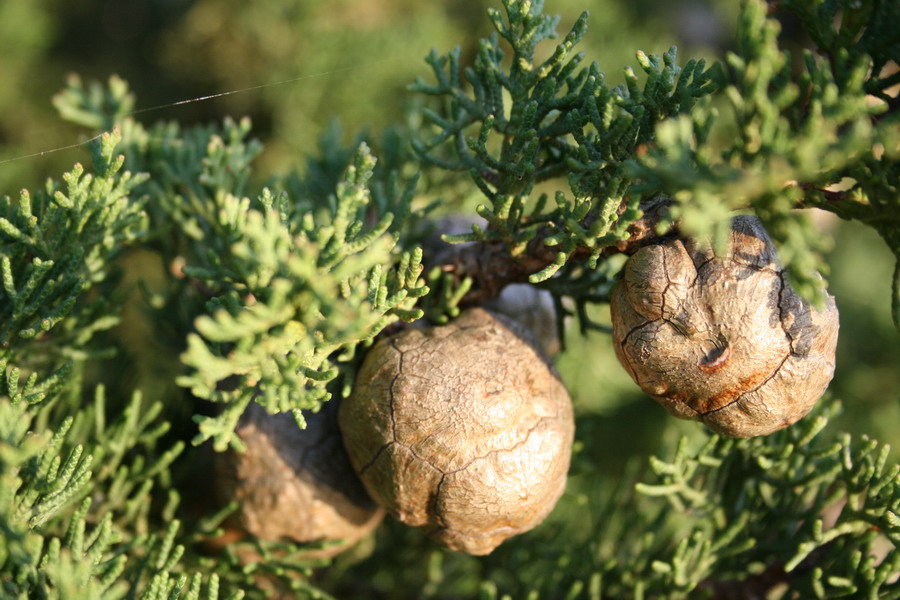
{"x": 74, "y": 503}
{"x": 291, "y": 283}
{"x": 816, "y": 513}
{"x": 55, "y": 246}
{"x": 543, "y": 120}
{"x": 298, "y": 289}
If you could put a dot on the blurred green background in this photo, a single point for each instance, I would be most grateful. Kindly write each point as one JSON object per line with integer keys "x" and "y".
{"x": 358, "y": 57}
{"x": 355, "y": 58}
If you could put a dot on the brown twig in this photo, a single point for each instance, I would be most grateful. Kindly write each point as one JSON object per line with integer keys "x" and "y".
{"x": 492, "y": 267}
{"x": 830, "y": 195}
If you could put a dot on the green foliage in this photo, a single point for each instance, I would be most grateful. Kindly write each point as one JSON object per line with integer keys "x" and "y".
{"x": 55, "y": 248}
{"x": 297, "y": 290}
{"x": 75, "y": 502}
{"x": 97, "y": 106}
{"x": 289, "y": 281}
{"x": 543, "y": 119}
{"x": 817, "y": 513}
{"x": 269, "y": 290}
{"x": 86, "y": 510}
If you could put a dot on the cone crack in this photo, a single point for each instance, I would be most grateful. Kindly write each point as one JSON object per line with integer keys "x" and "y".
{"x": 762, "y": 383}
{"x": 391, "y": 388}
{"x": 636, "y": 327}
{"x": 433, "y": 506}
{"x": 384, "y": 447}
{"x": 684, "y": 403}
{"x": 781, "y": 316}
{"x": 375, "y": 458}
{"x": 434, "y": 498}
{"x": 509, "y": 449}
{"x": 701, "y": 266}
{"x": 662, "y": 303}
{"x": 781, "y": 290}
{"x": 420, "y": 458}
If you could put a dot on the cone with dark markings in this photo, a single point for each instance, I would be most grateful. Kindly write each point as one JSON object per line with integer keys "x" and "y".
{"x": 723, "y": 339}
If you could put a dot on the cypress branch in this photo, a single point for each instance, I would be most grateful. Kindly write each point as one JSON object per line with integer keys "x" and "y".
{"x": 273, "y": 293}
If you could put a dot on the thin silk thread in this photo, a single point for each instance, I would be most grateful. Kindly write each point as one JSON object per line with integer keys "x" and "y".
{"x": 193, "y": 100}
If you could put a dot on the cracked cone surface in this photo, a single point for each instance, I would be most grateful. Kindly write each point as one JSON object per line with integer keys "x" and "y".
{"x": 464, "y": 430}
{"x": 723, "y": 339}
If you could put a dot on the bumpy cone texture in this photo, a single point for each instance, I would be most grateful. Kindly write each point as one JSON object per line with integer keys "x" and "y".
{"x": 723, "y": 339}
{"x": 295, "y": 484}
{"x": 464, "y": 430}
